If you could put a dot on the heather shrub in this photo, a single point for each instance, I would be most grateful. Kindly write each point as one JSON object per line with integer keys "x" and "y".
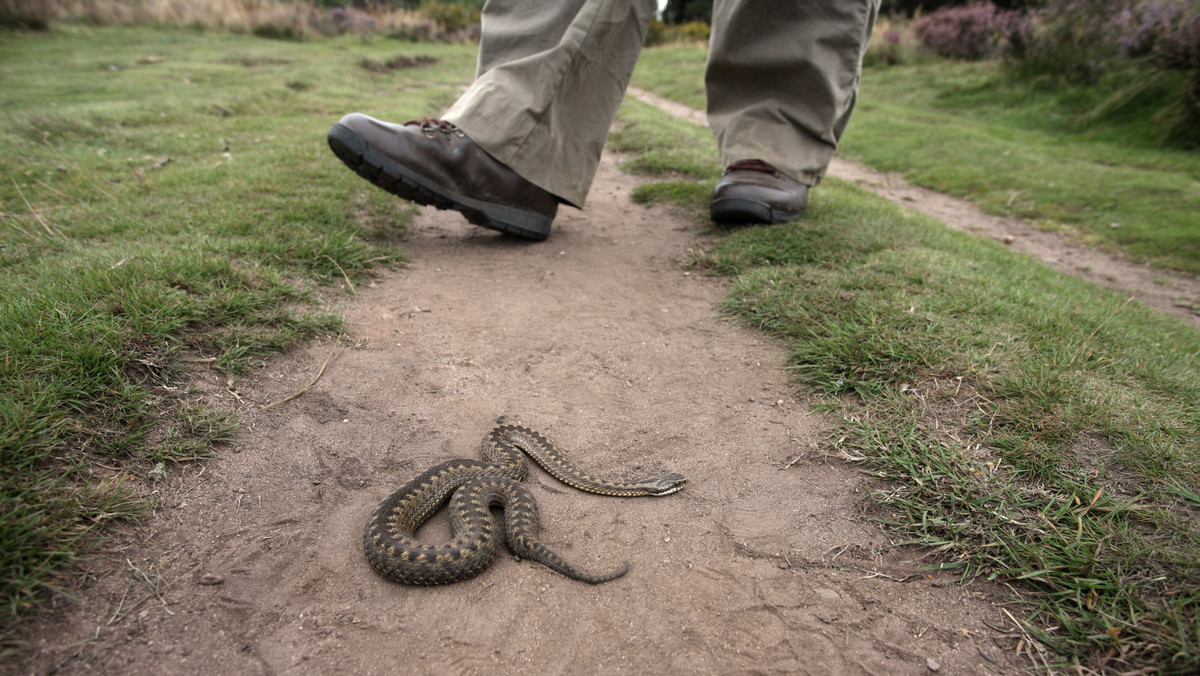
{"x": 1136, "y": 60}
{"x": 350, "y": 20}
{"x": 914, "y": 8}
{"x": 1068, "y": 42}
{"x": 1168, "y": 31}
{"x": 1167, "y": 35}
{"x": 1012, "y": 32}
{"x": 1180, "y": 47}
{"x": 959, "y": 32}
{"x": 1068, "y": 34}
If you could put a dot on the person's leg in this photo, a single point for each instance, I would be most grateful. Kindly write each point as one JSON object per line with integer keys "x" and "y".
{"x": 529, "y": 131}
{"x": 548, "y": 89}
{"x": 516, "y": 29}
{"x": 782, "y": 78}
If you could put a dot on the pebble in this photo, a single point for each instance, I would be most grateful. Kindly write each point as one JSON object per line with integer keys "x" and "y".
{"x": 933, "y": 665}
{"x": 209, "y": 580}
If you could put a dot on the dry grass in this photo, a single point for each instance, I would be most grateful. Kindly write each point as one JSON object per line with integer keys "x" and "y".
{"x": 893, "y": 42}
{"x": 268, "y": 18}
{"x": 690, "y": 33}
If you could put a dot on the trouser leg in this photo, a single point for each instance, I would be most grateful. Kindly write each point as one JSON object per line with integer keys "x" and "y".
{"x": 782, "y": 78}
{"x": 551, "y": 76}
{"x": 514, "y": 30}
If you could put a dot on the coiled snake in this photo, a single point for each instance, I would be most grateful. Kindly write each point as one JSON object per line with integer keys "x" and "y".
{"x": 475, "y": 486}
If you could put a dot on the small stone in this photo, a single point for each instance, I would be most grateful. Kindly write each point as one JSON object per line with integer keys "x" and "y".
{"x": 1009, "y": 239}
{"x": 933, "y": 665}
{"x": 159, "y": 472}
{"x": 210, "y": 580}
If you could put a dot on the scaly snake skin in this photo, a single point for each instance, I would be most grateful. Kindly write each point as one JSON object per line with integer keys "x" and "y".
{"x": 476, "y": 486}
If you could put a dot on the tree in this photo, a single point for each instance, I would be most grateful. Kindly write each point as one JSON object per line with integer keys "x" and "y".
{"x": 684, "y": 11}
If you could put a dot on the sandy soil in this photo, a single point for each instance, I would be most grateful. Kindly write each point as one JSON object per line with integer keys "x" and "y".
{"x": 768, "y": 561}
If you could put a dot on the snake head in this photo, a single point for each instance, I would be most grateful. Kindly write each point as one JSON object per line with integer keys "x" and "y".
{"x": 667, "y": 484}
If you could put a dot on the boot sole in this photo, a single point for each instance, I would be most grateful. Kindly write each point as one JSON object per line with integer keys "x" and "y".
{"x": 733, "y": 210}
{"x": 406, "y": 184}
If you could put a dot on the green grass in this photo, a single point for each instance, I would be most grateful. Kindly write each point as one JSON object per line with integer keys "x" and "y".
{"x": 167, "y": 200}
{"x": 961, "y": 128}
{"x": 1031, "y": 427}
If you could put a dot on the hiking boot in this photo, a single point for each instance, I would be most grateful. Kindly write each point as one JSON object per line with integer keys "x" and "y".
{"x": 434, "y": 163}
{"x": 752, "y": 191}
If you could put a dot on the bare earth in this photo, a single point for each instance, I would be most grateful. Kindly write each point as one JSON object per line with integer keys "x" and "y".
{"x": 768, "y": 561}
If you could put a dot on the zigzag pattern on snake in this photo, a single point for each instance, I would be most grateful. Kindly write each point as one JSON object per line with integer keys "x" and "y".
{"x": 473, "y": 486}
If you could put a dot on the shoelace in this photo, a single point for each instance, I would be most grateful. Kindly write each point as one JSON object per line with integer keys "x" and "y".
{"x": 431, "y": 126}
{"x": 752, "y": 165}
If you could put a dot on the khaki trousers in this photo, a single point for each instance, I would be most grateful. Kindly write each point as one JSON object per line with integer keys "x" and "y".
{"x": 781, "y": 81}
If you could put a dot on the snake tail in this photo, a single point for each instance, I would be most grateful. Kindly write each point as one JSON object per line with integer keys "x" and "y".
{"x": 521, "y": 523}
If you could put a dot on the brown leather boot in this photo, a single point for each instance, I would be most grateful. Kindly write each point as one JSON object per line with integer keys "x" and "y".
{"x": 433, "y": 163}
{"x": 752, "y": 191}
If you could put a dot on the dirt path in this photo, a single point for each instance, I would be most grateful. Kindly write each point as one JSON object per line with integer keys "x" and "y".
{"x": 1173, "y": 294}
{"x": 763, "y": 563}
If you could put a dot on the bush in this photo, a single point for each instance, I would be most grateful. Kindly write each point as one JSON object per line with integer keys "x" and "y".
{"x": 959, "y": 32}
{"x": 450, "y": 16}
{"x": 22, "y": 21}
{"x": 1068, "y": 43}
{"x": 912, "y": 8}
{"x": 1169, "y": 31}
{"x": 694, "y": 31}
{"x": 685, "y": 33}
{"x": 1139, "y": 58}
{"x": 1167, "y": 34}
{"x": 350, "y": 20}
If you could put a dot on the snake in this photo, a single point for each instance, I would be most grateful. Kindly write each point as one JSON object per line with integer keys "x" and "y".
{"x": 472, "y": 487}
